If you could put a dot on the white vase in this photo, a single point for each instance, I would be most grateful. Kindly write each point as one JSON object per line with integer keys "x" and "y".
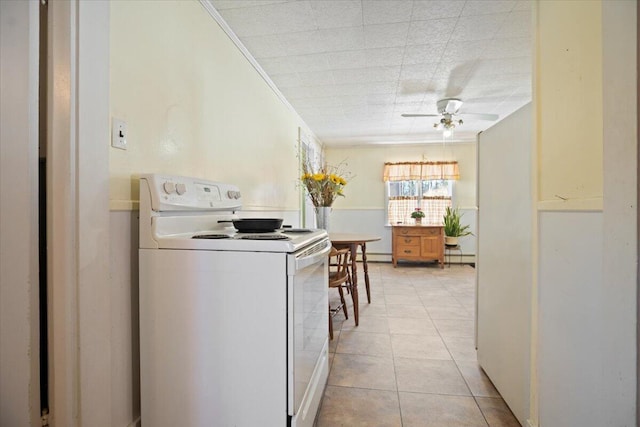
{"x": 323, "y": 213}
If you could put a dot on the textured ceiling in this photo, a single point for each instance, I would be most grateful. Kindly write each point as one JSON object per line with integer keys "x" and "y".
{"x": 350, "y": 68}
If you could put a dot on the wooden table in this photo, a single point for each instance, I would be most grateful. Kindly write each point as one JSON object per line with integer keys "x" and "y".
{"x": 352, "y": 241}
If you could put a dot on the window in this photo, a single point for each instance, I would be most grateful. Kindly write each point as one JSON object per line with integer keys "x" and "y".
{"x": 427, "y": 185}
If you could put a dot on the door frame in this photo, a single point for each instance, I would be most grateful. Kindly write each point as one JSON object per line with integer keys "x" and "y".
{"x": 79, "y": 306}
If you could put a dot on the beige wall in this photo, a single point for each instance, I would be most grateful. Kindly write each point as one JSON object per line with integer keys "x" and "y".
{"x": 569, "y": 104}
{"x": 195, "y": 106}
{"x": 366, "y": 189}
{"x": 585, "y": 248}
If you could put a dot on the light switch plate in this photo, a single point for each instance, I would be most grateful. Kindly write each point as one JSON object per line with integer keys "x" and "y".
{"x": 119, "y": 134}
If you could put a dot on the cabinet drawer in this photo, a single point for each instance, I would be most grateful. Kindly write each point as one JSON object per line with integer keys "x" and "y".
{"x": 431, "y": 232}
{"x": 407, "y": 241}
{"x": 418, "y": 231}
{"x": 408, "y": 251}
{"x": 408, "y": 231}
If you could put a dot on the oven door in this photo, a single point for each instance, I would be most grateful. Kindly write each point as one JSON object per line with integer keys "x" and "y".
{"x": 308, "y": 329}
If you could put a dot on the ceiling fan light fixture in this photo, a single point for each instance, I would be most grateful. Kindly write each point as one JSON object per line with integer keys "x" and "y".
{"x": 447, "y": 125}
{"x": 449, "y": 108}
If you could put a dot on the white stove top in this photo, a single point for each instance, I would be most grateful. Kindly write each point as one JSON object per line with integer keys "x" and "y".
{"x": 174, "y": 209}
{"x": 244, "y": 242}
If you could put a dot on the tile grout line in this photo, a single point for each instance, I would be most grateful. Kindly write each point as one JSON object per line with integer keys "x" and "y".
{"x": 458, "y": 367}
{"x": 393, "y": 361}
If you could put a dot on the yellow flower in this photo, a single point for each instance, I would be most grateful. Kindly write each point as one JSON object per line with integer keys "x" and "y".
{"x": 323, "y": 184}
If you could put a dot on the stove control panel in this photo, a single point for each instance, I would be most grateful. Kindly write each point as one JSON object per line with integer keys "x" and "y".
{"x": 233, "y": 194}
{"x": 169, "y": 187}
{"x": 176, "y": 193}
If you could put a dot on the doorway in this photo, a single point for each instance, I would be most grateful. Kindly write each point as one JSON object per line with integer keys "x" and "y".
{"x": 42, "y": 216}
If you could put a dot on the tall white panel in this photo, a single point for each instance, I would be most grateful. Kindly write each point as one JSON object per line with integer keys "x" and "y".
{"x": 504, "y": 258}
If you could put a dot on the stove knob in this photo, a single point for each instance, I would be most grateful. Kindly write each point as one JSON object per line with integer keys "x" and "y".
{"x": 169, "y": 187}
{"x": 231, "y": 194}
{"x": 237, "y": 195}
{"x": 181, "y": 189}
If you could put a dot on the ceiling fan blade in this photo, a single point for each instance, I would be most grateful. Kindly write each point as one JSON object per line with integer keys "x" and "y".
{"x": 413, "y": 87}
{"x": 420, "y": 115}
{"x": 481, "y": 116}
{"x": 458, "y": 78}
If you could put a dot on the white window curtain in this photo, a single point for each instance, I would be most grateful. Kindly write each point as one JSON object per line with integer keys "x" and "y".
{"x": 399, "y": 208}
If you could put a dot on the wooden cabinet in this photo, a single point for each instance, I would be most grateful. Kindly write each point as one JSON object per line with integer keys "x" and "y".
{"x": 418, "y": 243}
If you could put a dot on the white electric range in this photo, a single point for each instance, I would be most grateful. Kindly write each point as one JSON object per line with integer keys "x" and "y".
{"x": 233, "y": 326}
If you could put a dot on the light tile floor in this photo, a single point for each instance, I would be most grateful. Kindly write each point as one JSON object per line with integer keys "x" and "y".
{"x": 411, "y": 361}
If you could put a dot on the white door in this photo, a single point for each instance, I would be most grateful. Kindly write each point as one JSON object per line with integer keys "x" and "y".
{"x": 19, "y": 332}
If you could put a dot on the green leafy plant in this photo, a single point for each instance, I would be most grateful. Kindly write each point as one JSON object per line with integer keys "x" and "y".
{"x": 417, "y": 213}
{"x": 452, "y": 226}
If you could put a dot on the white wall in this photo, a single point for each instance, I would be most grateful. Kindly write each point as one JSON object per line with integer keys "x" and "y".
{"x": 571, "y": 326}
{"x": 620, "y": 243}
{"x": 19, "y": 332}
{"x": 504, "y": 257}
{"x": 363, "y": 207}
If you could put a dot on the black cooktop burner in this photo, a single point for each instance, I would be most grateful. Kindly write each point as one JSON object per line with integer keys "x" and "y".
{"x": 212, "y": 236}
{"x": 297, "y": 230}
{"x": 264, "y": 237}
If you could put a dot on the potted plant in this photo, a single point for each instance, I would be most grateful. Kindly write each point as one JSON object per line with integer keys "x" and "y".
{"x": 417, "y": 215}
{"x": 452, "y": 227}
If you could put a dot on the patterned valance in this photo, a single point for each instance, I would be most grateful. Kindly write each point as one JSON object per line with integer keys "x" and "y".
{"x": 406, "y": 171}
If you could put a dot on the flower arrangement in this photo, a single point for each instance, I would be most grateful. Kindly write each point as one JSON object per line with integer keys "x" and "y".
{"x": 417, "y": 213}
{"x": 323, "y": 185}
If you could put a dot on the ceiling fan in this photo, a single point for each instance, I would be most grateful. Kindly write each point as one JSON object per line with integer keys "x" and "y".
{"x": 448, "y": 108}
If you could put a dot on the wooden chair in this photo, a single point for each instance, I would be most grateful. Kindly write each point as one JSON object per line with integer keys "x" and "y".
{"x": 364, "y": 265}
{"x": 339, "y": 278}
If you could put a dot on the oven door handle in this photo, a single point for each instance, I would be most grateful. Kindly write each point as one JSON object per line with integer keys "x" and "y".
{"x": 312, "y": 255}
